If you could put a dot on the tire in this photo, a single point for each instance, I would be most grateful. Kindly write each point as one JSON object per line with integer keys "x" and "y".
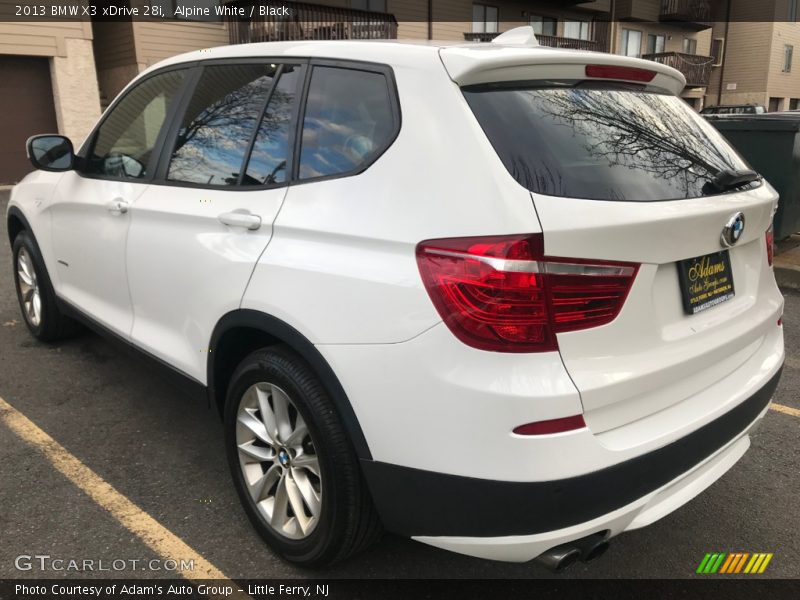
{"x": 35, "y": 294}
{"x": 277, "y": 452}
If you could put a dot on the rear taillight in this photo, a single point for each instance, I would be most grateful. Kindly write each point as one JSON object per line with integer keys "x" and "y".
{"x": 770, "y": 239}
{"x": 501, "y": 293}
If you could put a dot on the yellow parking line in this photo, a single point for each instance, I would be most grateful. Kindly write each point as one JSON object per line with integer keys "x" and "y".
{"x": 157, "y": 537}
{"x": 787, "y": 410}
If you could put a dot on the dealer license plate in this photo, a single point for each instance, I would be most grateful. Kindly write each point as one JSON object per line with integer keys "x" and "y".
{"x": 705, "y": 281}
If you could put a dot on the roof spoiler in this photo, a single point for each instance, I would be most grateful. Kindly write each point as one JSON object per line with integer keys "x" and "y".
{"x": 477, "y": 64}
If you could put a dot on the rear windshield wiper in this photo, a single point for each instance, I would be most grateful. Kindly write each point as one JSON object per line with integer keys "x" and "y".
{"x": 730, "y": 179}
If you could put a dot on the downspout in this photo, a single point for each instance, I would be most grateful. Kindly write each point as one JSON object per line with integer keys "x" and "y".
{"x": 724, "y": 52}
{"x": 612, "y": 27}
{"x": 430, "y": 19}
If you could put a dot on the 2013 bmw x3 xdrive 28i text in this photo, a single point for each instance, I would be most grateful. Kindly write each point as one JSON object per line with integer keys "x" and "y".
{"x": 506, "y": 300}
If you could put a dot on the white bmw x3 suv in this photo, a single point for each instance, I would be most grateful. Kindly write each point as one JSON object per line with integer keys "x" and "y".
{"x": 507, "y": 300}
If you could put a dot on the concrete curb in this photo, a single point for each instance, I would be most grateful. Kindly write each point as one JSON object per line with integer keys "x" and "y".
{"x": 788, "y": 276}
{"x": 787, "y": 262}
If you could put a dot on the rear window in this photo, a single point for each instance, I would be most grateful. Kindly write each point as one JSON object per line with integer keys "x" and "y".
{"x": 602, "y": 143}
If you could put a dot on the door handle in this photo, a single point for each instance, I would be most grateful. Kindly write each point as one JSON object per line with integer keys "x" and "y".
{"x": 118, "y": 206}
{"x": 240, "y": 218}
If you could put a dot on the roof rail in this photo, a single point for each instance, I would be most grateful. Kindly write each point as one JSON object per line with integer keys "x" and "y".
{"x": 519, "y": 36}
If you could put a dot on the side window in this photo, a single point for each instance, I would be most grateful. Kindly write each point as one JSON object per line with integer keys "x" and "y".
{"x": 267, "y": 163}
{"x": 125, "y": 140}
{"x": 219, "y": 123}
{"x": 348, "y": 121}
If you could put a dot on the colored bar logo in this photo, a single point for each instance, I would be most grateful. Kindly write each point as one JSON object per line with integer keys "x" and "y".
{"x": 734, "y": 562}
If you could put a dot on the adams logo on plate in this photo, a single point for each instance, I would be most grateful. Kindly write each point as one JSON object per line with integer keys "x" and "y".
{"x": 705, "y": 281}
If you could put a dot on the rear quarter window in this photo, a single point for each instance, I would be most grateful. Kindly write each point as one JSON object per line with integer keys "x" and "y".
{"x": 349, "y": 121}
{"x": 600, "y": 142}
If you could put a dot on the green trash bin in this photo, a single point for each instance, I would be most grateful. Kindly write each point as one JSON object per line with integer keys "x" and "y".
{"x": 771, "y": 144}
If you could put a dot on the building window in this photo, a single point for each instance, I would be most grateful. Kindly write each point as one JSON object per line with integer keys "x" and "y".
{"x": 689, "y": 46}
{"x": 788, "y": 51}
{"x": 718, "y": 51}
{"x": 578, "y": 30}
{"x": 544, "y": 25}
{"x": 371, "y": 5}
{"x": 484, "y": 18}
{"x": 792, "y": 11}
{"x": 794, "y": 104}
{"x": 631, "y": 43}
{"x": 168, "y": 8}
{"x": 655, "y": 43}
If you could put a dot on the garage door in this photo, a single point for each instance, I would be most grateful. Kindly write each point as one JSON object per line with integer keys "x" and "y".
{"x": 26, "y": 108}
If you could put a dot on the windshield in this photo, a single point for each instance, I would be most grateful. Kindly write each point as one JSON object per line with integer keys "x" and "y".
{"x": 602, "y": 143}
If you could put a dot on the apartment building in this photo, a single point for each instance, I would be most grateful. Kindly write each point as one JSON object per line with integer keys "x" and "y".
{"x": 673, "y": 32}
{"x": 756, "y": 47}
{"x": 59, "y": 75}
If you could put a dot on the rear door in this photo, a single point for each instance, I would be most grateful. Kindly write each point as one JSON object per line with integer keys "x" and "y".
{"x": 197, "y": 233}
{"x": 623, "y": 172}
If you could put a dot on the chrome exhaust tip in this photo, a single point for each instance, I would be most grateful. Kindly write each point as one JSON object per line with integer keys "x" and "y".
{"x": 593, "y": 546}
{"x": 586, "y": 549}
{"x": 559, "y": 558}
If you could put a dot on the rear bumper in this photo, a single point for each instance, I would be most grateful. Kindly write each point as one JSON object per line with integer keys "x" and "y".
{"x": 511, "y": 520}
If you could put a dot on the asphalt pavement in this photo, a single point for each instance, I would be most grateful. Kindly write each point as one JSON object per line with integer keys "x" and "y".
{"x": 164, "y": 452}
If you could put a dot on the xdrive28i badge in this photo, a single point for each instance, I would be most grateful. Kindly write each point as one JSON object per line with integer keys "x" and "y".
{"x": 733, "y": 230}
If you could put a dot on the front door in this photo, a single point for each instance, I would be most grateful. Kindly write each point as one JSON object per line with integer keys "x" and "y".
{"x": 92, "y": 205}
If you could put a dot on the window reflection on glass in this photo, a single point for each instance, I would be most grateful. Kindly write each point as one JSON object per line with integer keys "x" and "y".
{"x": 348, "y": 119}
{"x": 223, "y": 113}
{"x": 267, "y": 163}
{"x": 124, "y": 143}
{"x": 602, "y": 143}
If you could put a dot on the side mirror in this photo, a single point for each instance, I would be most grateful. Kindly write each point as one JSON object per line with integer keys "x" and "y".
{"x": 51, "y": 152}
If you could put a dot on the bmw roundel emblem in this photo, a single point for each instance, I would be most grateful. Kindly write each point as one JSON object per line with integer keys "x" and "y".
{"x": 733, "y": 230}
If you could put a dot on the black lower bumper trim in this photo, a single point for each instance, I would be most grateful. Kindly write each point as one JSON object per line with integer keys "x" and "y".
{"x": 416, "y": 502}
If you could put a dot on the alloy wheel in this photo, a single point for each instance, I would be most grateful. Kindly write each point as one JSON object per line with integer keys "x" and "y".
{"x": 279, "y": 461}
{"x": 29, "y": 292}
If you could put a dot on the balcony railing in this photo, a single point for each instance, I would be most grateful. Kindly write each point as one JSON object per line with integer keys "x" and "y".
{"x": 696, "y": 68}
{"x": 692, "y": 13}
{"x": 311, "y": 22}
{"x": 561, "y": 42}
{"x": 472, "y": 36}
{"x": 545, "y": 40}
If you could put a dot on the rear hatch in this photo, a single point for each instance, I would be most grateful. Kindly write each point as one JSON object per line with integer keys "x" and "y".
{"x": 621, "y": 169}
